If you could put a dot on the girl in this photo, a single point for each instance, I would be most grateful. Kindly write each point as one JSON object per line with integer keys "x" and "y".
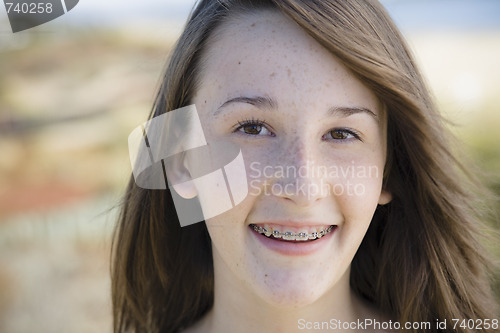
{"x": 358, "y": 216}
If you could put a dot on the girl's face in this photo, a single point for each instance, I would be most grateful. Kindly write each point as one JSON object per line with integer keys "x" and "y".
{"x": 313, "y": 139}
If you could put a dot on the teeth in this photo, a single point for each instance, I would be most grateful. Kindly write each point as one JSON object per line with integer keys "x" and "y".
{"x": 288, "y": 235}
{"x": 302, "y": 236}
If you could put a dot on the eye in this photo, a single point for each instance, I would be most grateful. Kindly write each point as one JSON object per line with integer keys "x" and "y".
{"x": 341, "y": 134}
{"x": 253, "y": 127}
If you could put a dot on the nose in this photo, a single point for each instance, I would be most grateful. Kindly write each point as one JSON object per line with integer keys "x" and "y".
{"x": 301, "y": 179}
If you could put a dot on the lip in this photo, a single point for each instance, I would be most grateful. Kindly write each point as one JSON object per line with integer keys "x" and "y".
{"x": 293, "y": 248}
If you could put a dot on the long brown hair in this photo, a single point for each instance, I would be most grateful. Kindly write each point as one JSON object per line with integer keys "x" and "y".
{"x": 421, "y": 259}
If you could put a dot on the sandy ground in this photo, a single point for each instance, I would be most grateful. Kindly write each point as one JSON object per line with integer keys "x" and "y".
{"x": 67, "y": 106}
{"x": 55, "y": 270}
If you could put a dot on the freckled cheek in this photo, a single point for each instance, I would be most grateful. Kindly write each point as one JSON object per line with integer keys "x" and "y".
{"x": 359, "y": 202}
{"x": 359, "y": 195}
{"x": 258, "y": 162}
{"x": 228, "y": 245}
{"x": 357, "y": 211}
{"x": 228, "y": 233}
{"x": 237, "y": 216}
{"x": 230, "y": 240}
{"x": 232, "y": 219}
{"x": 356, "y": 184}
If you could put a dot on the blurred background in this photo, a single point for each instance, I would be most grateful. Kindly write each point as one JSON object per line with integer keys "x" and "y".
{"x": 73, "y": 89}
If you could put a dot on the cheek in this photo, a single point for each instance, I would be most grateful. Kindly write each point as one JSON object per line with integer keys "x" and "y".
{"x": 357, "y": 205}
{"x": 223, "y": 241}
{"x": 226, "y": 237}
{"x": 230, "y": 241}
{"x": 358, "y": 186}
{"x": 359, "y": 199}
{"x": 228, "y": 228}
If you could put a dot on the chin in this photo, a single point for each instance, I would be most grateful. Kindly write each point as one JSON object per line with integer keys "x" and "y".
{"x": 291, "y": 290}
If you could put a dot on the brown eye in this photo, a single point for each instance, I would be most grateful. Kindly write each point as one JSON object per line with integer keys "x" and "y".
{"x": 252, "y": 129}
{"x": 342, "y": 134}
{"x": 339, "y": 134}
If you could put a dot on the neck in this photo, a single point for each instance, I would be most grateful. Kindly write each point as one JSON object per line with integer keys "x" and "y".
{"x": 238, "y": 309}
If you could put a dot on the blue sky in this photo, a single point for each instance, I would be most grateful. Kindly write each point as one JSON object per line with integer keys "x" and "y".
{"x": 409, "y": 14}
{"x": 445, "y": 14}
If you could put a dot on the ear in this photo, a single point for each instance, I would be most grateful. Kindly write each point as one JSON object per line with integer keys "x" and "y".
{"x": 385, "y": 197}
{"x": 179, "y": 177}
{"x": 187, "y": 190}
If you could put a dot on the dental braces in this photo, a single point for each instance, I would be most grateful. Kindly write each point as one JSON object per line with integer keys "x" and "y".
{"x": 301, "y": 236}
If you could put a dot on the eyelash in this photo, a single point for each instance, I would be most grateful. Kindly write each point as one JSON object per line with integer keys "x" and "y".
{"x": 349, "y": 131}
{"x": 261, "y": 123}
{"x": 252, "y": 122}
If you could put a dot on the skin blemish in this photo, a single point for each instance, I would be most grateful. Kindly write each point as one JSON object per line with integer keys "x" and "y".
{"x": 253, "y": 25}
{"x": 239, "y": 62}
{"x": 273, "y": 74}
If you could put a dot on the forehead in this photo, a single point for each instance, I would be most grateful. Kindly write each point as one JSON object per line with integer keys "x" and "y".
{"x": 265, "y": 53}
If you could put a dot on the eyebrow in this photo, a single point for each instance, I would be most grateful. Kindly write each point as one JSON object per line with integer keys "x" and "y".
{"x": 259, "y": 101}
{"x": 269, "y": 103}
{"x": 344, "y": 111}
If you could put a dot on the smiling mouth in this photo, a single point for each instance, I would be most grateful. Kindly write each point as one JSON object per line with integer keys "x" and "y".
{"x": 289, "y": 236}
